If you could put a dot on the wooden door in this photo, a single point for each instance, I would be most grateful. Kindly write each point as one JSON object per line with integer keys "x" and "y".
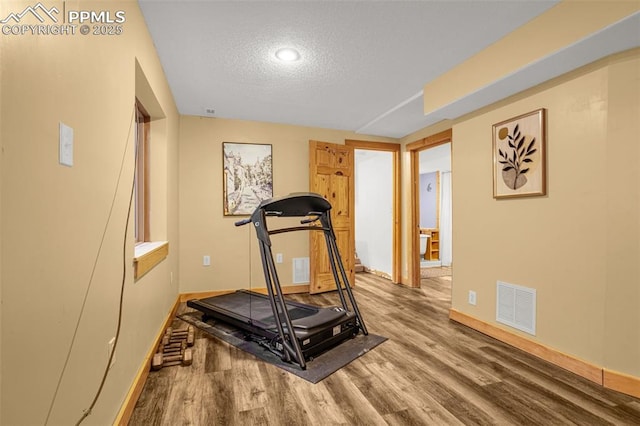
{"x": 331, "y": 175}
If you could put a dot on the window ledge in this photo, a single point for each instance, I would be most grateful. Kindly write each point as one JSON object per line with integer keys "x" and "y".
{"x": 148, "y": 255}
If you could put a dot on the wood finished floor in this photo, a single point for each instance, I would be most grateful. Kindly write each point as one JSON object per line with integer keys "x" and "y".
{"x": 431, "y": 371}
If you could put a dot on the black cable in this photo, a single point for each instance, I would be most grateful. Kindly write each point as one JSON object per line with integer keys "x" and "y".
{"x": 250, "y": 280}
{"x": 93, "y": 270}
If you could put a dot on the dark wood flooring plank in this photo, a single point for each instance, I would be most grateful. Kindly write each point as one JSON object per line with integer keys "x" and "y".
{"x": 316, "y": 401}
{"x": 153, "y": 400}
{"x": 355, "y": 407}
{"x": 279, "y": 405}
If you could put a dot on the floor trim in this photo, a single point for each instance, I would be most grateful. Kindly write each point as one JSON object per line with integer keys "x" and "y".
{"x": 621, "y": 382}
{"x": 575, "y": 365}
{"x": 138, "y": 383}
{"x": 609, "y": 379}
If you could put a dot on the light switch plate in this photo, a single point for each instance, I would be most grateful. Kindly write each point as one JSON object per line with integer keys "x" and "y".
{"x": 66, "y": 145}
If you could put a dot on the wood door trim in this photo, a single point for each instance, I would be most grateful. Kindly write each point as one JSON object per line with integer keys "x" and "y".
{"x": 397, "y": 191}
{"x": 373, "y": 146}
{"x": 414, "y": 231}
{"x": 431, "y": 141}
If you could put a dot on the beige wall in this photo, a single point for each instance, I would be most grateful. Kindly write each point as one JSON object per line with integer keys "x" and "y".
{"x": 548, "y": 243}
{"x": 578, "y": 246}
{"x": 622, "y": 307}
{"x": 1, "y": 155}
{"x": 203, "y": 228}
{"x": 53, "y": 218}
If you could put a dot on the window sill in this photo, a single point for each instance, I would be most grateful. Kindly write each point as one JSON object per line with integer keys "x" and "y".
{"x": 148, "y": 255}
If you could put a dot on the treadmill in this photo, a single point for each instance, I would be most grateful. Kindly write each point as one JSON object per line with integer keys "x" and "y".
{"x": 294, "y": 331}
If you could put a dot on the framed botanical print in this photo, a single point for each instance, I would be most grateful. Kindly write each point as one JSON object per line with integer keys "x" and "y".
{"x": 519, "y": 156}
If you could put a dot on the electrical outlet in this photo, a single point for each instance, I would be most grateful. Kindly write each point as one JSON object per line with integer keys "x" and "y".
{"x": 279, "y": 258}
{"x": 206, "y": 261}
{"x": 472, "y": 297}
{"x": 110, "y": 346}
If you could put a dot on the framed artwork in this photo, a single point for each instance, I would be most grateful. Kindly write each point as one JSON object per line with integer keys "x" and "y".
{"x": 247, "y": 177}
{"x": 519, "y": 156}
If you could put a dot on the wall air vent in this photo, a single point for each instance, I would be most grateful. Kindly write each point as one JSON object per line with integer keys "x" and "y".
{"x": 300, "y": 270}
{"x": 516, "y": 307}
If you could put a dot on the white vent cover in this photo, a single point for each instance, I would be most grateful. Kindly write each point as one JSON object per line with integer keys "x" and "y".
{"x": 300, "y": 270}
{"x": 516, "y": 307}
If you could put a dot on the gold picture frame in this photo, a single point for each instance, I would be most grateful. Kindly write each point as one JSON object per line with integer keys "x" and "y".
{"x": 519, "y": 156}
{"x": 247, "y": 177}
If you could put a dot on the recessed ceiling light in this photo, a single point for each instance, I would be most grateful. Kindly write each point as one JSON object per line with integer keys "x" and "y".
{"x": 288, "y": 54}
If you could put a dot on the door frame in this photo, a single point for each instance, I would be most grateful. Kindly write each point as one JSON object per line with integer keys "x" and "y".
{"x": 394, "y": 148}
{"x": 414, "y": 149}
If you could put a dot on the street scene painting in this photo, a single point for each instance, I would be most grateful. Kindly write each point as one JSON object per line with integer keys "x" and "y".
{"x": 248, "y": 177}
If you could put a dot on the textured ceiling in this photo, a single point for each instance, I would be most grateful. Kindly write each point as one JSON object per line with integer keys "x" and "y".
{"x": 363, "y": 64}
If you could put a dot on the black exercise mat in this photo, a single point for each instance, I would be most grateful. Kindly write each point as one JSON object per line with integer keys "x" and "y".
{"x": 319, "y": 368}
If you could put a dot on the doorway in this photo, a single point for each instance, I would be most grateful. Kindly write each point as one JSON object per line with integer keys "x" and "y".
{"x": 377, "y": 199}
{"x": 434, "y": 206}
{"x": 430, "y": 245}
{"x": 374, "y": 211}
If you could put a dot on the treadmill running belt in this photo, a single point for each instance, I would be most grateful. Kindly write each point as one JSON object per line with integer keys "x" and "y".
{"x": 247, "y": 305}
{"x": 294, "y": 314}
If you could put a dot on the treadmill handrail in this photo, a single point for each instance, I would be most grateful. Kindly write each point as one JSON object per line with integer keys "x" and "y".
{"x": 243, "y": 222}
{"x": 297, "y": 228}
{"x": 297, "y": 204}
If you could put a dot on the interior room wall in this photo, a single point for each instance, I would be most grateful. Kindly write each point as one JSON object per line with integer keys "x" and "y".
{"x": 428, "y": 191}
{"x": 374, "y": 210}
{"x": 622, "y": 308}
{"x": 578, "y": 245}
{"x": 437, "y": 158}
{"x": 1, "y": 155}
{"x": 204, "y": 230}
{"x": 53, "y": 218}
{"x": 434, "y": 159}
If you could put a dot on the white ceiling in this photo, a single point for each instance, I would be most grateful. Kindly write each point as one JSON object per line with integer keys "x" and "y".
{"x": 363, "y": 65}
